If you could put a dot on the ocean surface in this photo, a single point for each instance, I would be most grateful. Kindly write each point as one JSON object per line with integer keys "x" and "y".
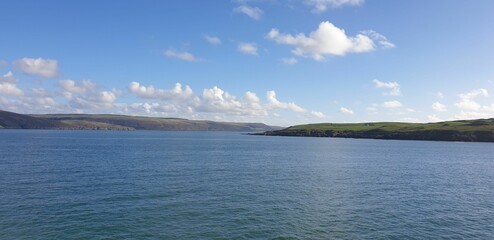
{"x": 223, "y": 185}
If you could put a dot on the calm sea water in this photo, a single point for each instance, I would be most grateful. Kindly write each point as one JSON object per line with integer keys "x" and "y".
{"x": 214, "y": 185}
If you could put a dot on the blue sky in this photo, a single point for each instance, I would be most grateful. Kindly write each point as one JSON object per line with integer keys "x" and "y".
{"x": 279, "y": 62}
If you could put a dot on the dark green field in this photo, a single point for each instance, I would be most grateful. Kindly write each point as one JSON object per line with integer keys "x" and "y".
{"x": 481, "y": 130}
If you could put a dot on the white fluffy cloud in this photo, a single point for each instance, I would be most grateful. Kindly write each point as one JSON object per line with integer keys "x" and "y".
{"x": 276, "y": 104}
{"x": 150, "y": 92}
{"x": 392, "y": 104}
{"x": 213, "y": 40}
{"x": 72, "y": 86}
{"x": 8, "y": 85}
{"x": 185, "y": 56}
{"x": 253, "y": 12}
{"x": 437, "y": 106}
{"x": 96, "y": 101}
{"x": 323, "y": 5}
{"x": 212, "y": 100}
{"x": 393, "y": 86}
{"x": 84, "y": 96}
{"x": 470, "y": 108}
{"x": 46, "y": 68}
{"x": 247, "y": 48}
{"x": 327, "y": 39}
{"x": 346, "y": 111}
{"x": 467, "y": 101}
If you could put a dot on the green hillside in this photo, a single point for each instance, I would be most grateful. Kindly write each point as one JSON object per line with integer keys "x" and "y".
{"x": 481, "y": 130}
{"x": 121, "y": 122}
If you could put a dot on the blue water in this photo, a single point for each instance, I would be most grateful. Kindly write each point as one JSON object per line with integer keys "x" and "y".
{"x": 215, "y": 185}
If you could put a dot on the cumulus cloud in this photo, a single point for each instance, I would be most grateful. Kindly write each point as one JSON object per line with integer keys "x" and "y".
{"x": 470, "y": 108}
{"x": 215, "y": 99}
{"x": 346, "y": 111}
{"x": 247, "y": 48}
{"x": 253, "y": 12}
{"x": 327, "y": 39}
{"x": 393, "y": 86}
{"x": 276, "y": 104}
{"x": 72, "y": 86}
{"x": 212, "y": 40}
{"x": 8, "y": 85}
{"x": 40, "y": 67}
{"x": 84, "y": 96}
{"x": 185, "y": 56}
{"x": 392, "y": 104}
{"x": 94, "y": 101}
{"x": 437, "y": 106}
{"x": 212, "y": 100}
{"x": 289, "y": 61}
{"x": 178, "y": 92}
{"x": 322, "y": 5}
{"x": 467, "y": 101}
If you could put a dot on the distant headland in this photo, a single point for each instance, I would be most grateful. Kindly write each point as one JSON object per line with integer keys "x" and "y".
{"x": 10, "y": 120}
{"x": 481, "y": 130}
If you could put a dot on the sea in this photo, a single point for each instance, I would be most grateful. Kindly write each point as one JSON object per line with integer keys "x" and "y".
{"x": 229, "y": 185}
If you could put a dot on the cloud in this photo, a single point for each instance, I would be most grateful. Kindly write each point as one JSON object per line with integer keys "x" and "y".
{"x": 8, "y": 85}
{"x": 274, "y": 103}
{"x": 212, "y": 40}
{"x": 317, "y": 114}
{"x": 326, "y": 40}
{"x": 253, "y": 12}
{"x": 185, "y": 56}
{"x": 150, "y": 92}
{"x": 212, "y": 101}
{"x": 322, "y": 5}
{"x": 96, "y": 101}
{"x": 466, "y": 100}
{"x": 346, "y": 111}
{"x": 247, "y": 48}
{"x": 72, "y": 86}
{"x": 381, "y": 40}
{"x": 437, "y": 106}
{"x": 393, "y": 86}
{"x": 392, "y": 104}
{"x": 471, "y": 109}
{"x": 289, "y": 61}
{"x": 41, "y": 92}
{"x": 47, "y": 68}
{"x": 467, "y": 115}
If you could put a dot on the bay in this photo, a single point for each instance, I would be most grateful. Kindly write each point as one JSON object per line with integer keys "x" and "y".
{"x": 223, "y": 185}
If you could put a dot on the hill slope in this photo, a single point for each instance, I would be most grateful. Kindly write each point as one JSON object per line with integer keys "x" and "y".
{"x": 121, "y": 122}
{"x": 481, "y": 130}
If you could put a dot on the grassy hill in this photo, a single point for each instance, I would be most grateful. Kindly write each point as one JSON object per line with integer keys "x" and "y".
{"x": 121, "y": 122}
{"x": 481, "y": 130}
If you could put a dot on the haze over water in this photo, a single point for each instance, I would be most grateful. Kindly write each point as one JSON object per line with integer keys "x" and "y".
{"x": 215, "y": 185}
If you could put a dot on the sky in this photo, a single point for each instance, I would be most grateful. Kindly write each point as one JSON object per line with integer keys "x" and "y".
{"x": 280, "y": 62}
